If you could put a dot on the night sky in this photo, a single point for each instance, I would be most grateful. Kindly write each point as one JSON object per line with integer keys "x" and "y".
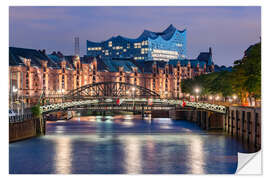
{"x": 228, "y": 30}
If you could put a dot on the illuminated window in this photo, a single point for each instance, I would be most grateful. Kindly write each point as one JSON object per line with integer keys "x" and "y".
{"x": 124, "y": 50}
{"x": 128, "y": 45}
{"x": 137, "y": 45}
{"x": 159, "y": 54}
{"x": 110, "y": 44}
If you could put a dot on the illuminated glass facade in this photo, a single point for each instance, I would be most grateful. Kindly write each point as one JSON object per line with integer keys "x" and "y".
{"x": 166, "y": 45}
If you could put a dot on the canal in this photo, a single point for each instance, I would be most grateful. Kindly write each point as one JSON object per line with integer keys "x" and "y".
{"x": 125, "y": 145}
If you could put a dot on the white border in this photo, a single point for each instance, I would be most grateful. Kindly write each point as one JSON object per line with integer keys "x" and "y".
{"x": 4, "y": 71}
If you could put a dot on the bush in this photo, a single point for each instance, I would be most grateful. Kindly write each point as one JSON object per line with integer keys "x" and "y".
{"x": 36, "y": 111}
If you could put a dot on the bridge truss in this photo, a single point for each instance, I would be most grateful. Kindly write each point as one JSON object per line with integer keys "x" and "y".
{"x": 103, "y": 95}
{"x": 110, "y": 89}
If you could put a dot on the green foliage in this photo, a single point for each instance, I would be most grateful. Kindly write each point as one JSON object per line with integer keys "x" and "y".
{"x": 36, "y": 110}
{"x": 245, "y": 77}
{"x": 247, "y": 72}
{"x": 213, "y": 83}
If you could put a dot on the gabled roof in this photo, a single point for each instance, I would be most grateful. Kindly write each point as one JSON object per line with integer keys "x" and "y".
{"x": 206, "y": 57}
{"x": 113, "y": 65}
{"x": 17, "y": 56}
{"x": 184, "y": 62}
{"x": 146, "y": 66}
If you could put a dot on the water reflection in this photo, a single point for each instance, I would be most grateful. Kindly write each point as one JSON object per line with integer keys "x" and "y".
{"x": 62, "y": 155}
{"x": 125, "y": 144}
{"x": 132, "y": 155}
{"x": 196, "y": 155}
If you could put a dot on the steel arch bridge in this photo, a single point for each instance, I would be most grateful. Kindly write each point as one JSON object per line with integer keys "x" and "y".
{"x": 110, "y": 104}
{"x": 110, "y": 89}
{"x": 103, "y": 95}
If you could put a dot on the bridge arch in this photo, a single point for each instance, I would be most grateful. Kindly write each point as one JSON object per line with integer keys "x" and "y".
{"x": 110, "y": 89}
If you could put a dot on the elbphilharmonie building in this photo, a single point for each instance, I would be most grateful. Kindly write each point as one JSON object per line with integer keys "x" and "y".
{"x": 160, "y": 46}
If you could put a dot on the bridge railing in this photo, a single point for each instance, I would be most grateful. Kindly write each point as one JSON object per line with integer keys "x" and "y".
{"x": 198, "y": 105}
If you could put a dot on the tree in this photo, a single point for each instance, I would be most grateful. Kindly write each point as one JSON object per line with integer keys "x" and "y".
{"x": 244, "y": 80}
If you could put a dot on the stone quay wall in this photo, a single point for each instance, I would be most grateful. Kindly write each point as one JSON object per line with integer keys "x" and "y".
{"x": 27, "y": 127}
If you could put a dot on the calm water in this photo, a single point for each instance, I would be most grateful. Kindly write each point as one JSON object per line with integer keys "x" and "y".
{"x": 125, "y": 144}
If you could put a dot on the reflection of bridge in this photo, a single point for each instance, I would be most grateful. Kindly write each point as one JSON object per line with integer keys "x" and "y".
{"x": 103, "y": 96}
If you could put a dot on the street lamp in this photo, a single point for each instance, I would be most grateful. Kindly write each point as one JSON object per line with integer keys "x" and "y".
{"x": 197, "y": 91}
{"x": 187, "y": 96}
{"x": 234, "y": 98}
{"x": 166, "y": 94}
{"x": 14, "y": 89}
{"x": 133, "y": 93}
{"x": 210, "y": 98}
{"x": 13, "y": 97}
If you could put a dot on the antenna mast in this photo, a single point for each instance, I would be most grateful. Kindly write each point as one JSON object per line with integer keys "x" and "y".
{"x": 77, "y": 47}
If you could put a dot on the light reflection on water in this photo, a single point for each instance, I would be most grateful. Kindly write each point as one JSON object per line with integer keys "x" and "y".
{"x": 63, "y": 157}
{"x": 132, "y": 155}
{"x": 196, "y": 154}
{"x": 125, "y": 144}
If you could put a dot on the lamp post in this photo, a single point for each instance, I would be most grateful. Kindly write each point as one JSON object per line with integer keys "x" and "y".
{"x": 217, "y": 98}
{"x": 230, "y": 100}
{"x": 14, "y": 92}
{"x": 187, "y": 96}
{"x": 197, "y": 91}
{"x": 166, "y": 94}
{"x": 133, "y": 93}
{"x": 61, "y": 92}
{"x": 210, "y": 98}
{"x": 234, "y": 98}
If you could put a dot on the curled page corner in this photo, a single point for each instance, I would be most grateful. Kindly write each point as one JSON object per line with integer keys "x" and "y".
{"x": 249, "y": 163}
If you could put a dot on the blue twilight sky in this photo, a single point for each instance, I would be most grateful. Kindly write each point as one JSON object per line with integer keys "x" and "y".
{"x": 228, "y": 30}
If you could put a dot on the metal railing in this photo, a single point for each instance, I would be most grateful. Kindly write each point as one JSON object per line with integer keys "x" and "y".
{"x": 20, "y": 118}
{"x": 198, "y": 105}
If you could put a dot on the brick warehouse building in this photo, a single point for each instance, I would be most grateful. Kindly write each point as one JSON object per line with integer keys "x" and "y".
{"x": 33, "y": 72}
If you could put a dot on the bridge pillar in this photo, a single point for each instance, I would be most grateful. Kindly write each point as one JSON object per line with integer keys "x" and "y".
{"x": 142, "y": 112}
{"x": 203, "y": 119}
{"x": 160, "y": 114}
{"x": 207, "y": 120}
{"x": 172, "y": 114}
{"x": 193, "y": 116}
